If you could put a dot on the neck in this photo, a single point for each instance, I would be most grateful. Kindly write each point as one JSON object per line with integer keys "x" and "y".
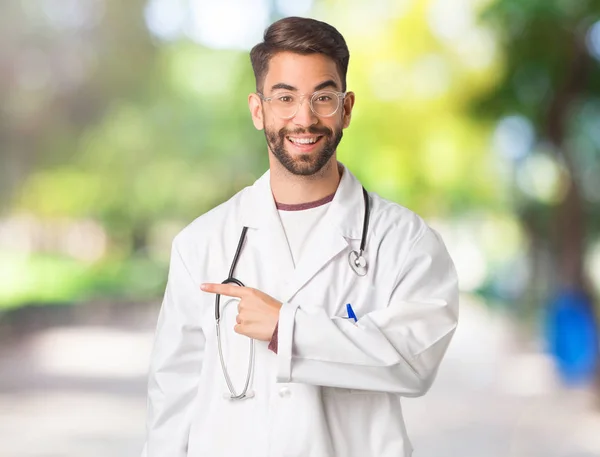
{"x": 292, "y": 189}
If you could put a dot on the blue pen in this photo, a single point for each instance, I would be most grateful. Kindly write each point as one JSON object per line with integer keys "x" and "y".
{"x": 351, "y": 314}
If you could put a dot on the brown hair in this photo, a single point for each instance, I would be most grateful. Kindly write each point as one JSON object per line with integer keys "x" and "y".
{"x": 301, "y": 36}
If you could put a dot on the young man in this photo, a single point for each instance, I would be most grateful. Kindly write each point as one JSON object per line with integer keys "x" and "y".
{"x": 283, "y": 367}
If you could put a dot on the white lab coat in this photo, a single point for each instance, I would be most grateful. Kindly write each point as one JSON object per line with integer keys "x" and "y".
{"x": 334, "y": 388}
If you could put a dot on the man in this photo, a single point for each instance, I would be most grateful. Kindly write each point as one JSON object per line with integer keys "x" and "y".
{"x": 285, "y": 372}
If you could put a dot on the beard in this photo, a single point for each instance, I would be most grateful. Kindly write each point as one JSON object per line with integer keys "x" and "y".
{"x": 304, "y": 164}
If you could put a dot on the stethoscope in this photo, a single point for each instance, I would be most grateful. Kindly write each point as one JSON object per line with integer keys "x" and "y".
{"x": 356, "y": 260}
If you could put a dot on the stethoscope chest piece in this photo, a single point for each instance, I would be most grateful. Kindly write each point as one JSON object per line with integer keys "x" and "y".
{"x": 358, "y": 263}
{"x": 356, "y": 259}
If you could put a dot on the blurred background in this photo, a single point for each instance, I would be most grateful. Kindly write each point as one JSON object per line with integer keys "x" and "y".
{"x": 121, "y": 122}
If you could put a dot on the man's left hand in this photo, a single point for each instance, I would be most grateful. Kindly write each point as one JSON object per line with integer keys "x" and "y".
{"x": 258, "y": 313}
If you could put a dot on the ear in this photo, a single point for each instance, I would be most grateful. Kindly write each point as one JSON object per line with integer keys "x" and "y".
{"x": 347, "y": 109}
{"x": 255, "y": 106}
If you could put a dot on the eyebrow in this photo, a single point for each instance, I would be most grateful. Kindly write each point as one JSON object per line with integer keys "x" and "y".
{"x": 329, "y": 83}
{"x": 283, "y": 86}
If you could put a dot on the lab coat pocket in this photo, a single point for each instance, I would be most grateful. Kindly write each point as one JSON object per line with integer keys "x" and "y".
{"x": 361, "y": 298}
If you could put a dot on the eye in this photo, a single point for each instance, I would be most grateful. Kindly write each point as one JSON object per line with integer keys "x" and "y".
{"x": 286, "y": 98}
{"x": 324, "y": 98}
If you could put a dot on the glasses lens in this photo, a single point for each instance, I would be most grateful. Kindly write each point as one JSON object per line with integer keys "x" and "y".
{"x": 284, "y": 104}
{"x": 325, "y": 103}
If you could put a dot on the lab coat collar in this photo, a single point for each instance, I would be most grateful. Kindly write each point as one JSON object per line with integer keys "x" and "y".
{"x": 345, "y": 212}
{"x": 342, "y": 222}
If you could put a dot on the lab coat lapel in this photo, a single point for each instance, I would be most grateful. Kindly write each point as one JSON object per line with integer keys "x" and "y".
{"x": 267, "y": 234}
{"x": 343, "y": 221}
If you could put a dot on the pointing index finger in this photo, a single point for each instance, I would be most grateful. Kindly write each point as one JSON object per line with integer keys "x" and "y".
{"x": 224, "y": 289}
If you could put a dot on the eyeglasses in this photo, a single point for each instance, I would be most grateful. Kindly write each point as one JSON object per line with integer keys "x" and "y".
{"x": 323, "y": 103}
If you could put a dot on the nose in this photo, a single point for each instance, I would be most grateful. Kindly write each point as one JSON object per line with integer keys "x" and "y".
{"x": 304, "y": 116}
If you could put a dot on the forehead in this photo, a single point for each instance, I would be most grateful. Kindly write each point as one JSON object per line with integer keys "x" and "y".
{"x": 301, "y": 71}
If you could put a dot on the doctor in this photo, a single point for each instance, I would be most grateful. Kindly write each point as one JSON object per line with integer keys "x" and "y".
{"x": 285, "y": 371}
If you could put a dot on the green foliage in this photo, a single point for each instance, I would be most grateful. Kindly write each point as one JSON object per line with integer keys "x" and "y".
{"x": 42, "y": 279}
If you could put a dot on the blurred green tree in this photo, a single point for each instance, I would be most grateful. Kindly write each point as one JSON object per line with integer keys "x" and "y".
{"x": 67, "y": 61}
{"x": 551, "y": 81}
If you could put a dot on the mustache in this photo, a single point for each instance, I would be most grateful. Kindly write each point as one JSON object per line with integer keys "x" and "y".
{"x": 313, "y": 130}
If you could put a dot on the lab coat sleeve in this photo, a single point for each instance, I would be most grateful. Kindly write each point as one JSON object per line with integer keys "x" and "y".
{"x": 396, "y": 348}
{"x": 175, "y": 364}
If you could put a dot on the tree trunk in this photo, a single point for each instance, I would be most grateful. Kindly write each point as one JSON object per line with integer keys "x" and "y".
{"x": 570, "y": 217}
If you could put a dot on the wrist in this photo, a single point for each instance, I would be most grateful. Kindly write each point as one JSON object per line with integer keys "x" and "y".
{"x": 274, "y": 339}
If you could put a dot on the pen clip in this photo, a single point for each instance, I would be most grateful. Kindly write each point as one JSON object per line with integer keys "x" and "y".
{"x": 350, "y": 312}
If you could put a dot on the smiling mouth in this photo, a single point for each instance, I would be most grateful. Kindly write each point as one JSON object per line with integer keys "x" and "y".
{"x": 303, "y": 141}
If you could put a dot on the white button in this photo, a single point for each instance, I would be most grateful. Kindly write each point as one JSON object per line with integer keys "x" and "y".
{"x": 285, "y": 392}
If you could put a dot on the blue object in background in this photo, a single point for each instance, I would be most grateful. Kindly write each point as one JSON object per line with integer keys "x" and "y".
{"x": 572, "y": 335}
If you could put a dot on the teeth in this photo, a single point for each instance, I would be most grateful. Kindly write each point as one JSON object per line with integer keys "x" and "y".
{"x": 303, "y": 140}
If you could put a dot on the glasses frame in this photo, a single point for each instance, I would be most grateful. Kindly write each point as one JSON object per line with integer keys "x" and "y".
{"x": 341, "y": 96}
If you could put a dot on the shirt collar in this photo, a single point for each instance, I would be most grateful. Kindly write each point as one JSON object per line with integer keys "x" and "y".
{"x": 346, "y": 210}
